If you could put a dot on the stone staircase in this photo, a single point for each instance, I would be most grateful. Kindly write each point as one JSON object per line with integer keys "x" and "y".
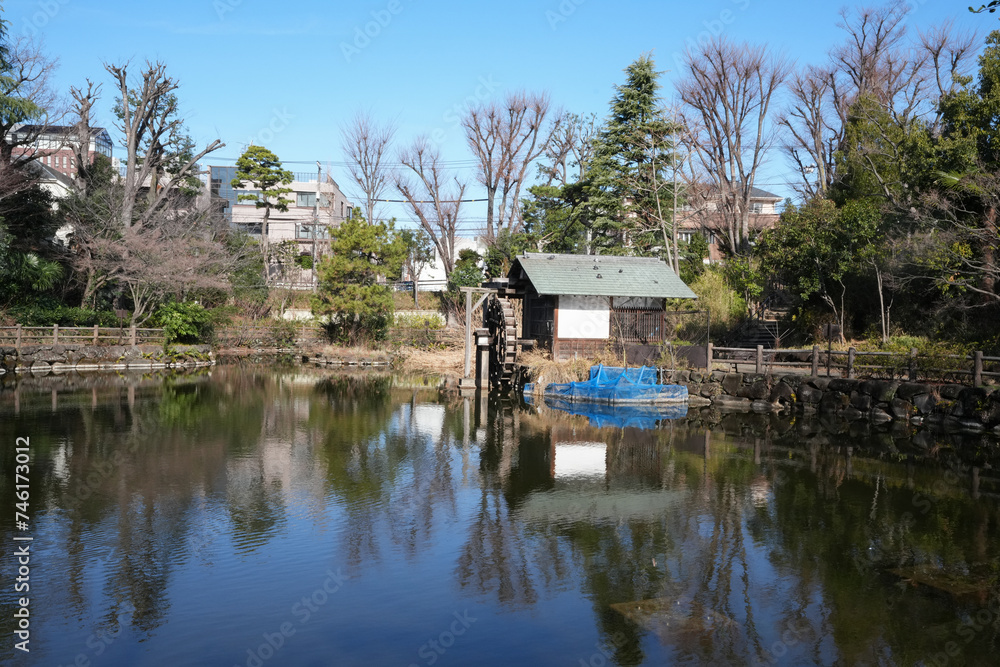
{"x": 762, "y": 332}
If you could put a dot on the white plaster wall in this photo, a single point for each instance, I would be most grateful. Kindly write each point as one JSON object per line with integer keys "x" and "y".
{"x": 584, "y": 317}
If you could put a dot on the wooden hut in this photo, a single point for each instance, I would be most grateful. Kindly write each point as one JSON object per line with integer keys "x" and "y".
{"x": 576, "y": 304}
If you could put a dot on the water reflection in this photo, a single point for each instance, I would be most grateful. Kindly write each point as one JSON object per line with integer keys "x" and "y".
{"x": 181, "y": 520}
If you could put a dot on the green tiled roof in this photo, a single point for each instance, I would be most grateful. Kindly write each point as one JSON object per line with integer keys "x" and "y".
{"x": 601, "y": 275}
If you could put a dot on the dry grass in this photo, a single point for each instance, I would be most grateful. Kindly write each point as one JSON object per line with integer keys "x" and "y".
{"x": 543, "y": 371}
{"x": 448, "y": 361}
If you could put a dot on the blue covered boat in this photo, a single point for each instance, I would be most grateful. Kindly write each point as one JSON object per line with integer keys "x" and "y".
{"x": 616, "y": 385}
{"x": 618, "y": 416}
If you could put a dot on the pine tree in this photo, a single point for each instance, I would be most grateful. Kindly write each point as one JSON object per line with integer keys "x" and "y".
{"x": 629, "y": 193}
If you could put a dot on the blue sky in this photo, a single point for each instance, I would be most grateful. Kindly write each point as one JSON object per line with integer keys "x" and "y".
{"x": 288, "y": 74}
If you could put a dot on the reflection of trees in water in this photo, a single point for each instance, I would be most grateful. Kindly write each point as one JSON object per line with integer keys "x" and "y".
{"x": 117, "y": 471}
{"x": 392, "y": 474}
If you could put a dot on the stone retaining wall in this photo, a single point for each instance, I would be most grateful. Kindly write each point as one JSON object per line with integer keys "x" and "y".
{"x": 954, "y": 406}
{"x": 55, "y": 358}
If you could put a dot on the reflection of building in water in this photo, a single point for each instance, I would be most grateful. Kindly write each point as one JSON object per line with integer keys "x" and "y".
{"x": 576, "y": 460}
{"x": 626, "y": 457}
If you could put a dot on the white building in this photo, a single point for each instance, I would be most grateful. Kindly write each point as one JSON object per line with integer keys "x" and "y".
{"x": 316, "y": 206}
{"x": 432, "y": 276}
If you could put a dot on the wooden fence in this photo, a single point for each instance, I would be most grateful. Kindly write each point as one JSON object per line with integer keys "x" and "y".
{"x": 18, "y": 336}
{"x": 852, "y": 363}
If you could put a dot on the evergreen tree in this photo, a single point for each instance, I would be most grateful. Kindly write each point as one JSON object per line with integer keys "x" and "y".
{"x": 352, "y": 292}
{"x": 262, "y": 169}
{"x": 629, "y": 193}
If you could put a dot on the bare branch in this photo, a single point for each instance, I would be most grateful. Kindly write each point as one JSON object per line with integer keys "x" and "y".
{"x": 366, "y": 145}
{"x": 434, "y": 198}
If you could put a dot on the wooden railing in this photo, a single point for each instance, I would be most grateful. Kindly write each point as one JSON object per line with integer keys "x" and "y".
{"x": 18, "y": 336}
{"x": 852, "y": 363}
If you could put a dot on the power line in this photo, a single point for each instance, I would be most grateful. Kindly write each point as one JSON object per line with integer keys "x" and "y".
{"x": 430, "y": 201}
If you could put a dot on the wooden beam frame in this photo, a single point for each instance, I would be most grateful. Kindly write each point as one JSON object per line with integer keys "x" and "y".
{"x": 469, "y": 309}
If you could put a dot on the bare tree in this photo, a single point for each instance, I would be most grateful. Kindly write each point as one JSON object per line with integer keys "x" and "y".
{"x": 569, "y": 148}
{"x": 82, "y": 131}
{"x": 506, "y": 138}
{"x": 434, "y": 198}
{"x": 149, "y": 118}
{"x": 949, "y": 56}
{"x": 176, "y": 252}
{"x": 366, "y": 145}
{"x": 813, "y": 135}
{"x": 31, "y": 105}
{"x": 876, "y": 61}
{"x": 728, "y": 90}
{"x": 875, "y": 64}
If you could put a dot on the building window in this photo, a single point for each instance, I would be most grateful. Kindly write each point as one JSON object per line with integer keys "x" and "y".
{"x": 756, "y": 207}
{"x": 304, "y": 232}
{"x": 248, "y": 193}
{"x": 684, "y": 237}
{"x": 305, "y": 199}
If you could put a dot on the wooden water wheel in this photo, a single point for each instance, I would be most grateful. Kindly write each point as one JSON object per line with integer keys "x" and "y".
{"x": 499, "y": 316}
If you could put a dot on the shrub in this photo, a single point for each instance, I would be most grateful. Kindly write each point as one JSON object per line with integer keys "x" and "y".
{"x": 725, "y": 306}
{"x": 284, "y": 332}
{"x": 64, "y": 316}
{"x": 184, "y": 322}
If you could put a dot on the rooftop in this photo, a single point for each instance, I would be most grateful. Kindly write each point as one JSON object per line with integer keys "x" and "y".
{"x": 600, "y": 275}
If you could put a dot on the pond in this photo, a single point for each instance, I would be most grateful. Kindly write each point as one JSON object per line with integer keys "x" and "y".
{"x": 255, "y": 516}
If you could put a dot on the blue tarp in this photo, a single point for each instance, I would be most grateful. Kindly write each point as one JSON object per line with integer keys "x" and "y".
{"x": 613, "y": 384}
{"x": 618, "y": 416}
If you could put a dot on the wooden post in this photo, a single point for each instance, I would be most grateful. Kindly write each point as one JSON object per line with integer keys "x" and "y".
{"x": 977, "y": 368}
{"x": 829, "y": 355}
{"x": 17, "y": 337}
{"x": 131, "y": 335}
{"x": 55, "y": 334}
{"x": 850, "y": 361}
{"x": 913, "y": 364}
{"x": 95, "y": 334}
{"x": 708, "y": 358}
{"x": 760, "y": 360}
{"x": 468, "y": 335}
{"x": 815, "y": 361}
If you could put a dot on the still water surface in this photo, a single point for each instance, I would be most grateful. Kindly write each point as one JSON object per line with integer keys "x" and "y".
{"x": 252, "y": 516}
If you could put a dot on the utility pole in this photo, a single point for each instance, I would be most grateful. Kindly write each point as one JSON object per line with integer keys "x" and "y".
{"x": 673, "y": 162}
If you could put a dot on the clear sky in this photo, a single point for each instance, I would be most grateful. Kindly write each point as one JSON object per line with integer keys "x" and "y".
{"x": 287, "y": 75}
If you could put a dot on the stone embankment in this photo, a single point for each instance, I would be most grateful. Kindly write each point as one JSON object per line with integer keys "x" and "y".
{"x": 57, "y": 358}
{"x": 952, "y": 406}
